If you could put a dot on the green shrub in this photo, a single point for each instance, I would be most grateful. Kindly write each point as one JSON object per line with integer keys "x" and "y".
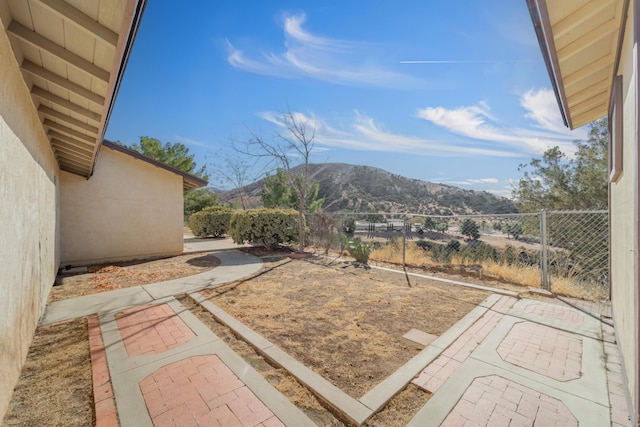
{"x": 453, "y": 246}
{"x": 359, "y": 250}
{"x": 212, "y": 221}
{"x": 271, "y": 227}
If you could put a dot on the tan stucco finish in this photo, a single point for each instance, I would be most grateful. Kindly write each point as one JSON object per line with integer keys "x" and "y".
{"x": 623, "y": 225}
{"x": 128, "y": 209}
{"x": 28, "y": 177}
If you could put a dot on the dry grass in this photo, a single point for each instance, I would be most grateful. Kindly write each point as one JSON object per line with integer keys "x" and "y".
{"x": 522, "y": 275}
{"x": 55, "y": 386}
{"x": 345, "y": 323}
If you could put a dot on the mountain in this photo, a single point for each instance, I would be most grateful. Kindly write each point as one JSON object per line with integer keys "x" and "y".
{"x": 367, "y": 189}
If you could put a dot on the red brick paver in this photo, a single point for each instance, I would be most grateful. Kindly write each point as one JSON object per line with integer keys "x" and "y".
{"x": 495, "y": 401}
{"x": 202, "y": 391}
{"x": 106, "y": 415}
{"x": 434, "y": 375}
{"x": 542, "y": 349}
{"x": 152, "y": 329}
{"x": 566, "y": 315}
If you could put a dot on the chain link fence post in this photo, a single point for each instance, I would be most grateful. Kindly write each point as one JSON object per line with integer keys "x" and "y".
{"x": 544, "y": 250}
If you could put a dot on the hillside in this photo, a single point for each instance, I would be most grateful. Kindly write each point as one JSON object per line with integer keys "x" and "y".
{"x": 367, "y": 189}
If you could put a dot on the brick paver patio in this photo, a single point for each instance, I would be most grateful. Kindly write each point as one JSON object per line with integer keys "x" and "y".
{"x": 202, "y": 390}
{"x": 542, "y": 349}
{"x": 152, "y": 329}
{"x": 494, "y": 401}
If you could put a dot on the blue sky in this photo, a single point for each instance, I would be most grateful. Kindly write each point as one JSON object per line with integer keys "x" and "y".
{"x": 451, "y": 92}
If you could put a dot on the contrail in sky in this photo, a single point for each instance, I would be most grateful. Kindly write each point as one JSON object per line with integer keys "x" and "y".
{"x": 467, "y": 62}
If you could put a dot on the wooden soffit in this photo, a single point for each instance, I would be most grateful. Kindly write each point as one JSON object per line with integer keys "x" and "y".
{"x": 72, "y": 54}
{"x": 580, "y": 42}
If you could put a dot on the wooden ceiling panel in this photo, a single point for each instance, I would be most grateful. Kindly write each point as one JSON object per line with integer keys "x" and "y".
{"x": 71, "y": 56}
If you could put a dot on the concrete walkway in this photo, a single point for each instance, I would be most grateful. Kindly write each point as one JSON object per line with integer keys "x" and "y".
{"x": 509, "y": 362}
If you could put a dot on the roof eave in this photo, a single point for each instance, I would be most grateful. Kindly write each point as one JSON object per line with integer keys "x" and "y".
{"x": 542, "y": 25}
{"x": 135, "y": 9}
{"x": 189, "y": 181}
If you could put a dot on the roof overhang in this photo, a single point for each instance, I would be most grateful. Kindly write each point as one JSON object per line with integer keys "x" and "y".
{"x": 189, "y": 182}
{"x": 72, "y": 54}
{"x": 580, "y": 42}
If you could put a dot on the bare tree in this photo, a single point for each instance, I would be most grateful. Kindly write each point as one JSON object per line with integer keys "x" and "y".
{"x": 237, "y": 171}
{"x": 290, "y": 150}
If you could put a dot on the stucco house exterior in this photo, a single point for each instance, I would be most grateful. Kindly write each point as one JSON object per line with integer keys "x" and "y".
{"x": 591, "y": 52}
{"x": 67, "y": 198}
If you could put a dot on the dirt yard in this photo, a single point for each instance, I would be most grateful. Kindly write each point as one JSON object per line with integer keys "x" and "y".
{"x": 345, "y": 323}
{"x": 108, "y": 277}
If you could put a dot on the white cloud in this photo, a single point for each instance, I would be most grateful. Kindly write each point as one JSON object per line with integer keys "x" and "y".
{"x": 477, "y": 122}
{"x": 311, "y": 56}
{"x": 365, "y": 134}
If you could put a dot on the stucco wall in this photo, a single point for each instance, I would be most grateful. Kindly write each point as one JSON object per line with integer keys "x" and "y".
{"x": 623, "y": 227}
{"x": 28, "y": 243}
{"x": 128, "y": 209}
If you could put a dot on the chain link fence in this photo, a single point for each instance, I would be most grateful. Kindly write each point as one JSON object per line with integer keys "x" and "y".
{"x": 564, "y": 252}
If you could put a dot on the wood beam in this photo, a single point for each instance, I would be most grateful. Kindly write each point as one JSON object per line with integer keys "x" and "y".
{"x": 68, "y": 119}
{"x": 69, "y": 152}
{"x": 65, "y": 10}
{"x": 597, "y": 88}
{"x": 83, "y": 146}
{"x": 57, "y": 80}
{"x": 591, "y": 115}
{"x": 591, "y": 68}
{"x": 582, "y": 43}
{"x": 579, "y": 16}
{"x": 67, "y": 130}
{"x": 596, "y": 100}
{"x": 46, "y": 95}
{"x": 73, "y": 167}
{"x": 41, "y": 42}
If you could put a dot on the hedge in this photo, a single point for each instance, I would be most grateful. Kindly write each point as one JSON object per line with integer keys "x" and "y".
{"x": 212, "y": 221}
{"x": 271, "y": 227}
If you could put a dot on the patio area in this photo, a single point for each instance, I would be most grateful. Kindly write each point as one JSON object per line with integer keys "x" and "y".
{"x": 510, "y": 361}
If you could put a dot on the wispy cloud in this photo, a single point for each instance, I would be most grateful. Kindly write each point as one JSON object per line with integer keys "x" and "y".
{"x": 192, "y": 142}
{"x": 468, "y": 181}
{"x": 477, "y": 122}
{"x": 365, "y": 134}
{"x": 307, "y": 55}
{"x": 478, "y": 61}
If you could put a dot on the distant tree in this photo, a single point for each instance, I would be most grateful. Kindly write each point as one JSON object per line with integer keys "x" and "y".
{"x": 374, "y": 217}
{"x": 497, "y": 226}
{"x": 173, "y": 154}
{"x": 555, "y": 182}
{"x": 278, "y": 194}
{"x": 442, "y": 227}
{"x": 515, "y": 229}
{"x": 429, "y": 223}
{"x": 470, "y": 228}
{"x": 198, "y": 199}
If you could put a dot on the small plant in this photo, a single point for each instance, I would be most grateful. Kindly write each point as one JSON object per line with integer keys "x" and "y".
{"x": 359, "y": 250}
